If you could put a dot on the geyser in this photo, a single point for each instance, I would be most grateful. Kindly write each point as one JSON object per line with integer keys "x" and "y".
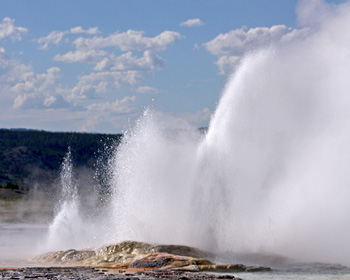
{"x": 66, "y": 228}
{"x": 272, "y": 172}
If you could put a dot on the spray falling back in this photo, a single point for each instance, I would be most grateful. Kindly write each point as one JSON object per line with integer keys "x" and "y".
{"x": 272, "y": 173}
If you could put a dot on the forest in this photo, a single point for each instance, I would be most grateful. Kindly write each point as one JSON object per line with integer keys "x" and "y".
{"x": 32, "y": 155}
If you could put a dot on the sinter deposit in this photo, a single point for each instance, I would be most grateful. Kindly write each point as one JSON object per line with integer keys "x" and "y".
{"x": 139, "y": 255}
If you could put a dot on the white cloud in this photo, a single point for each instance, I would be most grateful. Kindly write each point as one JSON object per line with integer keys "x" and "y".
{"x": 239, "y": 41}
{"x": 113, "y": 71}
{"x": 227, "y": 64}
{"x": 12, "y": 71}
{"x": 30, "y": 90}
{"x": 109, "y": 62}
{"x": 146, "y": 89}
{"x": 98, "y": 83}
{"x": 22, "y": 88}
{"x": 39, "y": 90}
{"x": 120, "y": 60}
{"x": 229, "y": 47}
{"x": 56, "y": 37}
{"x": 128, "y": 61}
{"x": 38, "y": 82}
{"x": 80, "y": 30}
{"x": 123, "y": 106}
{"x": 82, "y": 56}
{"x": 192, "y": 23}
{"x": 129, "y": 40}
{"x": 40, "y": 99}
{"x": 8, "y": 29}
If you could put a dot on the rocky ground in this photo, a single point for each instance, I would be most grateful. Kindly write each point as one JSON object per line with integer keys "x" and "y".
{"x": 82, "y": 273}
{"x": 132, "y": 260}
{"x": 129, "y": 260}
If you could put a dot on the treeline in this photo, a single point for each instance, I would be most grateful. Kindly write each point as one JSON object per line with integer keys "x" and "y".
{"x": 27, "y": 155}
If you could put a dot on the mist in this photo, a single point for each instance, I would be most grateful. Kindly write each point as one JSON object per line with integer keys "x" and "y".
{"x": 281, "y": 135}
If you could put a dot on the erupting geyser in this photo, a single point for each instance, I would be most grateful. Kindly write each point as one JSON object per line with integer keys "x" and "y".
{"x": 67, "y": 228}
{"x": 272, "y": 172}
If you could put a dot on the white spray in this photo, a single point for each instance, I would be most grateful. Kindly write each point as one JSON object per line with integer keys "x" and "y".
{"x": 272, "y": 173}
{"x": 66, "y": 229}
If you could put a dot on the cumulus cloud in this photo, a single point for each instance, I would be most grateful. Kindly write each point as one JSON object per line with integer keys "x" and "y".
{"x": 81, "y": 56}
{"x": 146, "y": 89}
{"x": 119, "y": 62}
{"x": 28, "y": 93}
{"x": 40, "y": 98}
{"x": 240, "y": 40}
{"x": 22, "y": 88}
{"x": 38, "y": 82}
{"x": 127, "y": 61}
{"x": 11, "y": 71}
{"x": 39, "y": 90}
{"x": 230, "y": 46}
{"x": 30, "y": 90}
{"x": 192, "y": 23}
{"x": 129, "y": 40}
{"x": 122, "y": 106}
{"x": 109, "y": 62}
{"x": 80, "y": 30}
{"x": 95, "y": 84}
{"x": 56, "y": 37}
{"x": 114, "y": 71}
{"x": 8, "y": 29}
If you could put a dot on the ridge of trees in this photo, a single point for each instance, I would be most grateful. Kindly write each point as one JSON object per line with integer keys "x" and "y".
{"x": 38, "y": 155}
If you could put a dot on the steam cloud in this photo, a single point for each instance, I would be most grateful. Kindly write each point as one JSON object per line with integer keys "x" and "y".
{"x": 272, "y": 173}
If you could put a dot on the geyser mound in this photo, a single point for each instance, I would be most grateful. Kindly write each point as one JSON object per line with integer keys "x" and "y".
{"x": 131, "y": 256}
{"x": 270, "y": 175}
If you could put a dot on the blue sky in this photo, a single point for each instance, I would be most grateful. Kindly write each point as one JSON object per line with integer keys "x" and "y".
{"x": 96, "y": 65}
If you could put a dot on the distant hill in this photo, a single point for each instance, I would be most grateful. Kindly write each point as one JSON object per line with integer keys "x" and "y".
{"x": 29, "y": 155}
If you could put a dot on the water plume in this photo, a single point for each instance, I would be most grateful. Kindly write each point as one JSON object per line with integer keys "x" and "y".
{"x": 82, "y": 215}
{"x": 271, "y": 174}
{"x": 153, "y": 175}
{"x": 66, "y": 229}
